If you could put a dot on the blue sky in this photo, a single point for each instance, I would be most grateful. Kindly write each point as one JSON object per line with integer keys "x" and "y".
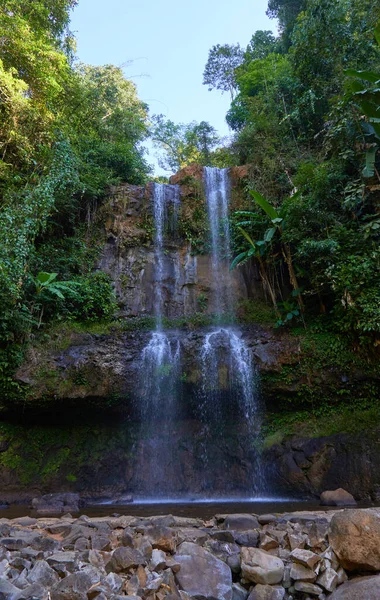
{"x": 164, "y": 44}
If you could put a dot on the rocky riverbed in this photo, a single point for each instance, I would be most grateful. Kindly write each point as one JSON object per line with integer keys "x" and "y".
{"x": 300, "y": 555}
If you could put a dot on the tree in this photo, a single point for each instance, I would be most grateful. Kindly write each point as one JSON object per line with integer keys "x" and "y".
{"x": 220, "y": 68}
{"x": 183, "y": 143}
{"x": 262, "y": 43}
{"x": 286, "y": 11}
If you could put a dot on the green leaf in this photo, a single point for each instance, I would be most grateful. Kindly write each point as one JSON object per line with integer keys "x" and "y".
{"x": 265, "y": 205}
{"x": 56, "y": 292}
{"x": 247, "y": 237}
{"x": 370, "y": 157}
{"x": 269, "y": 234}
{"x": 46, "y": 278}
{"x": 277, "y": 221}
{"x": 377, "y": 33}
{"x": 365, "y": 75}
{"x": 238, "y": 259}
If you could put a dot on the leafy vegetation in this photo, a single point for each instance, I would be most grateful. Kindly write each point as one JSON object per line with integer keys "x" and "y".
{"x": 306, "y": 118}
{"x": 68, "y": 132}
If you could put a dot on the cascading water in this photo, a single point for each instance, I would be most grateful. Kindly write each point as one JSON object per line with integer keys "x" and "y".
{"x": 160, "y": 363}
{"x": 226, "y": 361}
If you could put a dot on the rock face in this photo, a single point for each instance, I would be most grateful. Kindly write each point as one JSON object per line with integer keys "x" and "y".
{"x": 337, "y": 498}
{"x": 201, "y": 575}
{"x": 354, "y": 537}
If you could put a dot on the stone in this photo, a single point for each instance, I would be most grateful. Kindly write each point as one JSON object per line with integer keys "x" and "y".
{"x": 354, "y": 536}
{"x": 42, "y": 573}
{"x": 114, "y": 582}
{"x": 305, "y": 557}
{"x": 124, "y": 559}
{"x": 299, "y": 572}
{"x": 267, "y": 592}
{"x": 190, "y": 534}
{"x": 362, "y": 588}
{"x": 259, "y": 566}
{"x": 56, "y": 503}
{"x": 308, "y": 588}
{"x": 297, "y": 540}
{"x": 33, "y": 592}
{"x": 239, "y": 592}
{"x": 268, "y": 543}
{"x": 202, "y": 575}
{"x": 8, "y": 591}
{"x": 13, "y": 543}
{"x": 158, "y": 561}
{"x": 162, "y": 538}
{"x": 72, "y": 587}
{"x": 241, "y": 522}
{"x": 68, "y": 560}
{"x": 328, "y": 579}
{"x": 248, "y": 538}
{"x": 266, "y": 519}
{"x": 337, "y": 497}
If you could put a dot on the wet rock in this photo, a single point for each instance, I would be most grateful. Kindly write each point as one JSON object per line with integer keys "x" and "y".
{"x": 362, "y": 588}
{"x": 56, "y": 503}
{"x": 241, "y": 522}
{"x": 259, "y": 566}
{"x": 266, "y": 519}
{"x": 337, "y": 497}
{"x": 267, "y": 592}
{"x": 202, "y": 575}
{"x": 354, "y": 536}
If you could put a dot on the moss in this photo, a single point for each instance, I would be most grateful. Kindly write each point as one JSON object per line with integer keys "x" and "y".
{"x": 256, "y": 311}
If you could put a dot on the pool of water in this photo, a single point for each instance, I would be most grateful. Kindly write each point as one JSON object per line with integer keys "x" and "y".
{"x": 204, "y": 509}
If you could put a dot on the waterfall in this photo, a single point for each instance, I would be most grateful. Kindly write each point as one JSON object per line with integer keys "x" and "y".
{"x": 227, "y": 365}
{"x": 160, "y": 360}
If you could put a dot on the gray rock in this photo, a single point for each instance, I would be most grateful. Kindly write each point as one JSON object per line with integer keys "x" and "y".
{"x": 308, "y": 588}
{"x": 328, "y": 579}
{"x": 259, "y": 566}
{"x": 158, "y": 561}
{"x": 239, "y": 592}
{"x": 34, "y": 591}
{"x": 124, "y": 559}
{"x": 13, "y": 543}
{"x": 265, "y": 519}
{"x": 42, "y": 573}
{"x": 114, "y": 582}
{"x": 162, "y": 538}
{"x": 362, "y": 588}
{"x": 299, "y": 572}
{"x": 267, "y": 592}
{"x": 56, "y": 503}
{"x": 249, "y": 538}
{"x": 73, "y": 587}
{"x": 202, "y": 575}
{"x": 68, "y": 560}
{"x": 7, "y": 590}
{"x": 190, "y": 534}
{"x": 241, "y": 522}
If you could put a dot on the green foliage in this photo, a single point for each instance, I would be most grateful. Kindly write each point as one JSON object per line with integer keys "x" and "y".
{"x": 183, "y": 144}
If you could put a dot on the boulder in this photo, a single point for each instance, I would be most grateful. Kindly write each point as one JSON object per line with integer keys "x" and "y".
{"x": 354, "y": 536}
{"x": 239, "y": 592}
{"x": 202, "y": 575}
{"x": 162, "y": 538}
{"x": 241, "y": 522}
{"x": 267, "y": 592}
{"x": 7, "y": 590}
{"x": 362, "y": 588}
{"x": 36, "y": 590}
{"x": 56, "y": 503}
{"x": 259, "y": 566}
{"x": 337, "y": 497}
{"x": 124, "y": 559}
